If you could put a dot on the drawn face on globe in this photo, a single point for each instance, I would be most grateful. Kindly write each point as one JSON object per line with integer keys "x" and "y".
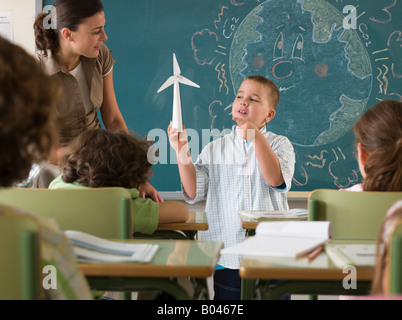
{"x": 323, "y": 71}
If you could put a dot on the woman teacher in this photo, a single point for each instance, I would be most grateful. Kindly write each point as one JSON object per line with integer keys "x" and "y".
{"x": 70, "y": 40}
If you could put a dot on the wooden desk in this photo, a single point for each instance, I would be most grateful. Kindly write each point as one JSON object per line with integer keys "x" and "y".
{"x": 320, "y": 276}
{"x": 298, "y": 195}
{"x": 174, "y": 258}
{"x": 196, "y": 221}
{"x": 251, "y": 224}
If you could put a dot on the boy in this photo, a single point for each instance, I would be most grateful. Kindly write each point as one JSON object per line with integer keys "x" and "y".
{"x": 248, "y": 169}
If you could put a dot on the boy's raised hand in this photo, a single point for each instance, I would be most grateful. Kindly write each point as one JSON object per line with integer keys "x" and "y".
{"x": 247, "y": 128}
{"x": 177, "y": 140}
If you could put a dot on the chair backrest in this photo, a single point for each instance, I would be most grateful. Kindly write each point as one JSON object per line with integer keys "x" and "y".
{"x": 354, "y": 215}
{"x": 396, "y": 260}
{"x": 20, "y": 258}
{"x": 103, "y": 212}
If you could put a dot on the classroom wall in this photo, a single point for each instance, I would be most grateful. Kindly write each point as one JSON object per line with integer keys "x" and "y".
{"x": 23, "y": 14}
{"x": 328, "y": 76}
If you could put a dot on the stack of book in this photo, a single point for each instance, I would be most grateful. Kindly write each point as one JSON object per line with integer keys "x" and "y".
{"x": 89, "y": 248}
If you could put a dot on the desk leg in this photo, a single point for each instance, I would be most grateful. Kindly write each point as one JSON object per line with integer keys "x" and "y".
{"x": 191, "y": 234}
{"x": 313, "y": 288}
{"x": 137, "y": 284}
{"x": 250, "y": 232}
{"x": 247, "y": 289}
{"x": 200, "y": 289}
{"x": 126, "y": 295}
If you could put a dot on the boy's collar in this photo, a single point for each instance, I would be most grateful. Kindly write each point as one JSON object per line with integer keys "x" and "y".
{"x": 262, "y": 130}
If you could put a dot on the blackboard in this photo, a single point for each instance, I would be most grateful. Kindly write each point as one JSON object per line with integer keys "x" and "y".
{"x": 328, "y": 75}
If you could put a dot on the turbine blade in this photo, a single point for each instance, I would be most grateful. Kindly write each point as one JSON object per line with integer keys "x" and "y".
{"x": 167, "y": 83}
{"x": 176, "y": 68}
{"x": 188, "y": 82}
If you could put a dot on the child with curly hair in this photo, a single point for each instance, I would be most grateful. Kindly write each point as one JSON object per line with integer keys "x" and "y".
{"x": 100, "y": 158}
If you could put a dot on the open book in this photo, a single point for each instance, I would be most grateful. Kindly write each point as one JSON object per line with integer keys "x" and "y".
{"x": 291, "y": 239}
{"x": 293, "y": 214}
{"x": 89, "y": 248}
{"x": 361, "y": 255}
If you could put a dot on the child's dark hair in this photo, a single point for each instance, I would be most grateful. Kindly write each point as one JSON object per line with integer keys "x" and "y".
{"x": 101, "y": 158}
{"x": 273, "y": 93}
{"x": 379, "y": 130}
{"x": 27, "y": 108}
{"x": 69, "y": 14}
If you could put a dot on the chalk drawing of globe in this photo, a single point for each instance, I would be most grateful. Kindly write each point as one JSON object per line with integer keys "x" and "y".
{"x": 323, "y": 70}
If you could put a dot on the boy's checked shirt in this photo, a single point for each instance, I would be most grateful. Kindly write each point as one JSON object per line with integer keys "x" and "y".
{"x": 229, "y": 178}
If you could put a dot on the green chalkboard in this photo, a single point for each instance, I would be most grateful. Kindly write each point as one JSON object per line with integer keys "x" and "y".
{"x": 328, "y": 75}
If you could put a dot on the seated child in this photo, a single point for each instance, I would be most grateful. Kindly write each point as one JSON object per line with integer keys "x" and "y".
{"x": 379, "y": 147}
{"x": 100, "y": 158}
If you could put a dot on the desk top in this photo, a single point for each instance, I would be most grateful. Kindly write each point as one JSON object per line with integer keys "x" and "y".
{"x": 174, "y": 258}
{"x": 298, "y": 195}
{"x": 196, "y": 221}
{"x": 251, "y": 224}
{"x": 321, "y": 268}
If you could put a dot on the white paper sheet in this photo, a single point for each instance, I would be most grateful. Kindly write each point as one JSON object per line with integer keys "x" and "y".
{"x": 6, "y": 26}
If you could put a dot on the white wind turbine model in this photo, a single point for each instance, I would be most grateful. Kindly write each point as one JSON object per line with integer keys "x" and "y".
{"x": 175, "y": 79}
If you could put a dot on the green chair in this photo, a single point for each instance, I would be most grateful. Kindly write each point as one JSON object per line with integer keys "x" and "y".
{"x": 20, "y": 258}
{"x": 103, "y": 212}
{"x": 396, "y": 260}
{"x": 353, "y": 215}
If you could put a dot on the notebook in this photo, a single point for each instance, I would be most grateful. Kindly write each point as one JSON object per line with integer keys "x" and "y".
{"x": 292, "y": 239}
{"x": 361, "y": 255}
